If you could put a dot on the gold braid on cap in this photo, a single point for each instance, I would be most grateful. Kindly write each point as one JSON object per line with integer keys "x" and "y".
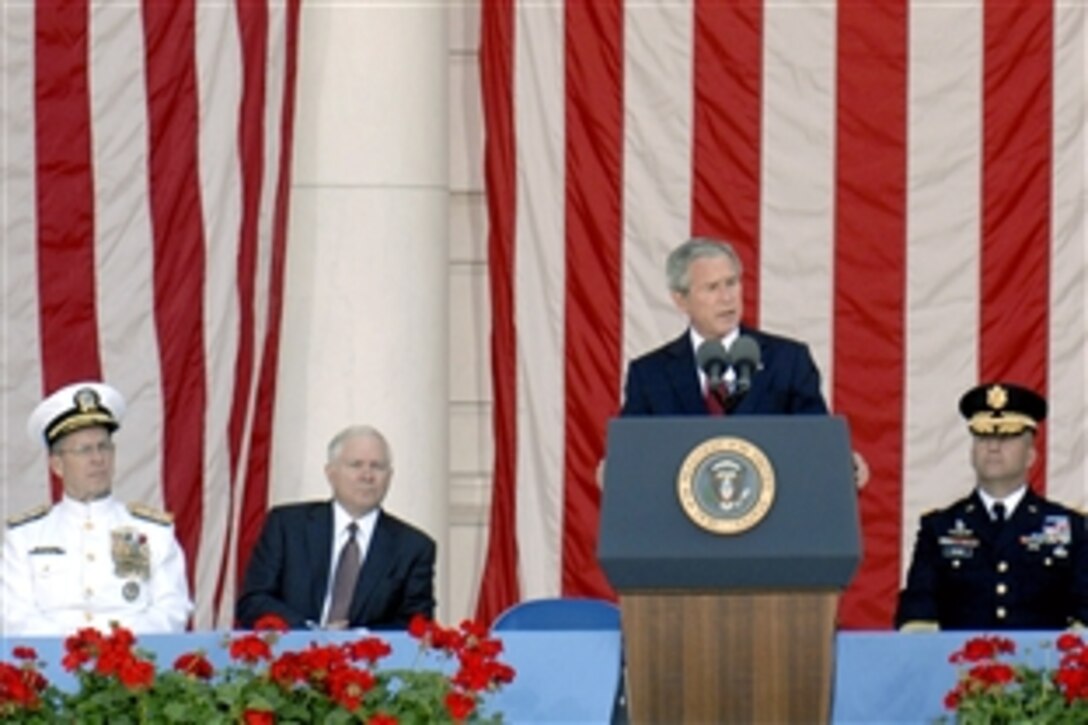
{"x": 1007, "y": 423}
{"x": 88, "y": 411}
{"x": 79, "y": 420}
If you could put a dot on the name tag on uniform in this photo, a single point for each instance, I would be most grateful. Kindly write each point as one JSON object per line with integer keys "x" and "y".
{"x": 959, "y": 543}
{"x": 46, "y": 550}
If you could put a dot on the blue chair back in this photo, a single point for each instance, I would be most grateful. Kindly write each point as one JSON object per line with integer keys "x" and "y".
{"x": 559, "y": 613}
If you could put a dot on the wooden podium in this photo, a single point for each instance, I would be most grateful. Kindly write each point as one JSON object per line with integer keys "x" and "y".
{"x": 729, "y": 611}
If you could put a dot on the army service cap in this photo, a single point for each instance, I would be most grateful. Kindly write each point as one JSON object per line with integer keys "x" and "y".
{"x": 1002, "y": 408}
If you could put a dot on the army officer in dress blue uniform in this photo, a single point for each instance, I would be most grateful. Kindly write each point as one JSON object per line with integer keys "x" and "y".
{"x": 89, "y": 559}
{"x": 1003, "y": 557}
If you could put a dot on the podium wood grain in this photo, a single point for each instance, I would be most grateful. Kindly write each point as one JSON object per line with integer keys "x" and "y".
{"x": 737, "y": 657}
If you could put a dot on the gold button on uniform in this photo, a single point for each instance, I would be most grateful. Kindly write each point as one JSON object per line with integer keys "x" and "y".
{"x": 88, "y": 616}
{"x": 1000, "y": 612}
{"x": 88, "y": 593}
{"x": 90, "y": 557}
{"x": 1002, "y": 566}
{"x": 1001, "y": 589}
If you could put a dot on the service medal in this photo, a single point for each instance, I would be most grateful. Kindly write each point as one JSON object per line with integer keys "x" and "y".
{"x": 131, "y": 553}
{"x": 130, "y": 591}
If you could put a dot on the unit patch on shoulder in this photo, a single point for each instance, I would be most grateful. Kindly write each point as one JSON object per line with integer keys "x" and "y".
{"x": 148, "y": 513}
{"x": 27, "y": 516}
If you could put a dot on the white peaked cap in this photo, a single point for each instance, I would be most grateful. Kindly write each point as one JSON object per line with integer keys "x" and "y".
{"x": 74, "y": 407}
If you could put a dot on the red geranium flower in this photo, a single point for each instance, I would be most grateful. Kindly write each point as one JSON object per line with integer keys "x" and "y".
{"x": 370, "y": 649}
{"x": 195, "y": 664}
{"x": 419, "y": 626}
{"x": 348, "y": 687}
{"x": 258, "y": 717}
{"x": 978, "y": 649}
{"x": 382, "y": 719}
{"x": 135, "y": 673}
{"x": 286, "y": 670}
{"x": 459, "y": 705}
{"x": 24, "y": 653}
{"x": 1067, "y": 641}
{"x": 271, "y": 623}
{"x": 250, "y": 648}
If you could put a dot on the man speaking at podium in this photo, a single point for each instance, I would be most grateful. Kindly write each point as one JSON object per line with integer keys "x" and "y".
{"x": 719, "y": 366}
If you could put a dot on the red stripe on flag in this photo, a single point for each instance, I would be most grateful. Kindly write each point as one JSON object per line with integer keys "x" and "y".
{"x": 253, "y": 36}
{"x": 499, "y": 585}
{"x": 179, "y": 260}
{"x": 65, "y": 198}
{"x": 727, "y": 132}
{"x": 255, "y": 501}
{"x": 1016, "y": 200}
{"x": 594, "y": 237}
{"x": 870, "y": 276}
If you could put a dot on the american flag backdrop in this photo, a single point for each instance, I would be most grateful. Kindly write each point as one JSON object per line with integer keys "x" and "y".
{"x": 145, "y": 157}
{"x": 905, "y": 181}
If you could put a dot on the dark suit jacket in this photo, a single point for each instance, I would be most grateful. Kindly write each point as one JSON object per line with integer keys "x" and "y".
{"x": 288, "y": 572}
{"x": 963, "y": 570}
{"x": 666, "y": 382}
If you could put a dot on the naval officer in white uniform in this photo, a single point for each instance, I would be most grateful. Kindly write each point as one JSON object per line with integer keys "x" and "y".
{"x": 89, "y": 559}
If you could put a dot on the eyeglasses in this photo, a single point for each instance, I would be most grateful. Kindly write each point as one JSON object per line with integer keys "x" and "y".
{"x": 372, "y": 466}
{"x": 103, "y": 448}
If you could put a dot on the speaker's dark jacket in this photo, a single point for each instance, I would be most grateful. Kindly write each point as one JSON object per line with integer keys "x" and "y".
{"x": 666, "y": 382}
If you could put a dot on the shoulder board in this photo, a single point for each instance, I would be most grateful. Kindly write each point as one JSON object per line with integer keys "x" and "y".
{"x": 27, "y": 516}
{"x": 147, "y": 513}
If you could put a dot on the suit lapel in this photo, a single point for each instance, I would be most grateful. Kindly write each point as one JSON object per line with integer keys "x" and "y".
{"x": 751, "y": 399}
{"x": 682, "y": 376}
{"x": 1026, "y": 517}
{"x": 379, "y": 554}
{"x": 319, "y": 542}
{"x": 977, "y": 518}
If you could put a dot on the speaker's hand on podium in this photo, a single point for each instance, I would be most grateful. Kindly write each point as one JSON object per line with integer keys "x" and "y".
{"x": 861, "y": 470}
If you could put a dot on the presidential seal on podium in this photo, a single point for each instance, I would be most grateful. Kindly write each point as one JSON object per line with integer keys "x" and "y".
{"x": 726, "y": 485}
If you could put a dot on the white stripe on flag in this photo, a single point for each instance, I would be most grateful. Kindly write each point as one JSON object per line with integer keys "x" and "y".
{"x": 122, "y": 230}
{"x": 797, "y": 195}
{"x": 657, "y": 166}
{"x": 220, "y": 83}
{"x": 944, "y": 119}
{"x": 1068, "y": 472}
{"x": 538, "y": 291}
{"x": 21, "y": 463}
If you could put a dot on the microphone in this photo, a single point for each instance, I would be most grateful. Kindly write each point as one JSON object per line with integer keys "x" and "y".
{"x": 713, "y": 361}
{"x": 745, "y": 357}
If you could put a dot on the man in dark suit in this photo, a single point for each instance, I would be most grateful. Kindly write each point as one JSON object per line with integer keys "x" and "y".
{"x": 1004, "y": 557}
{"x": 704, "y": 277}
{"x": 345, "y": 562}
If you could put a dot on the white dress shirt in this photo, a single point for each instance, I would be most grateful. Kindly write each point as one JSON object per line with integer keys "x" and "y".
{"x": 341, "y": 519}
{"x": 1011, "y": 501}
{"x": 730, "y": 375}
